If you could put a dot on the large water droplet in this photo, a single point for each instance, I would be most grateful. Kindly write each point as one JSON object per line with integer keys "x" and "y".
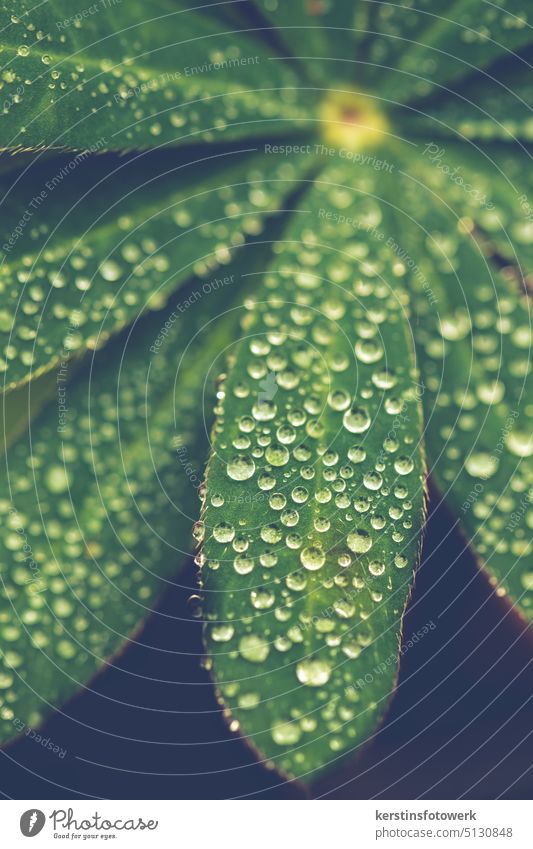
{"x": 312, "y": 557}
{"x": 277, "y": 455}
{"x": 254, "y": 648}
{"x": 240, "y": 468}
{"x": 223, "y": 532}
{"x": 313, "y": 673}
{"x": 482, "y": 465}
{"x": 520, "y": 443}
{"x": 286, "y": 734}
{"x": 356, "y": 420}
{"x": 359, "y": 541}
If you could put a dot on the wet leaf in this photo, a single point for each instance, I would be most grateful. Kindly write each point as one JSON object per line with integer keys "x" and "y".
{"x": 99, "y": 249}
{"x": 314, "y": 490}
{"x": 416, "y": 50}
{"x": 473, "y": 336}
{"x": 314, "y": 500}
{"x": 491, "y": 191}
{"x": 127, "y": 76}
{"x": 98, "y": 499}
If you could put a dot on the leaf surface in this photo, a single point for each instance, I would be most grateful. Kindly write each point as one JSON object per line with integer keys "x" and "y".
{"x": 492, "y": 190}
{"x": 82, "y": 263}
{"x": 473, "y": 334}
{"x": 130, "y": 75}
{"x": 314, "y": 490}
{"x": 437, "y": 42}
{"x": 488, "y": 107}
{"x": 98, "y": 499}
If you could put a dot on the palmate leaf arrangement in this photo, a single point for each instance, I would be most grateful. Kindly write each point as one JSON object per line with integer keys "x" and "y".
{"x": 297, "y": 237}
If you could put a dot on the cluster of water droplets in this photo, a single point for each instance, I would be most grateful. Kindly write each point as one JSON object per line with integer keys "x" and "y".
{"x": 88, "y": 533}
{"x": 311, "y": 507}
{"x": 62, "y": 293}
{"x": 139, "y": 83}
{"x": 420, "y": 42}
{"x": 475, "y": 342}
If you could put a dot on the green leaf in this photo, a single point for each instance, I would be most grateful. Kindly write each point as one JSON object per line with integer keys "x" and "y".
{"x": 131, "y": 75}
{"x": 495, "y": 106}
{"x": 492, "y": 190}
{"x": 473, "y": 335}
{"x": 314, "y": 498}
{"x": 315, "y": 489}
{"x": 98, "y": 499}
{"x": 415, "y": 49}
{"x": 95, "y": 250}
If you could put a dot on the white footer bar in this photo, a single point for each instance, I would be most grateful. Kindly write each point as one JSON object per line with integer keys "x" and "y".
{"x": 268, "y": 824}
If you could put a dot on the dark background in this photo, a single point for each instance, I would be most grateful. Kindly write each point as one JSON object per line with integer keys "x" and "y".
{"x": 459, "y": 725}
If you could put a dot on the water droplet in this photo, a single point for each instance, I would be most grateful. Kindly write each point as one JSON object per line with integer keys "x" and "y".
{"x": 243, "y": 565}
{"x": 277, "y": 455}
{"x": 313, "y": 673}
{"x": 262, "y": 599}
{"x": 339, "y": 400}
{"x": 344, "y": 608}
{"x": 359, "y": 541}
{"x": 277, "y": 501}
{"x": 372, "y": 480}
{"x": 312, "y": 557}
{"x": 270, "y": 534}
{"x": 384, "y": 379}
{"x": 254, "y": 648}
{"x": 286, "y": 733}
{"x": 248, "y": 701}
{"x": 491, "y": 393}
{"x": 375, "y": 567}
{"x": 356, "y": 420}
{"x": 266, "y": 481}
{"x": 57, "y": 480}
{"x": 110, "y": 270}
{"x": 222, "y": 633}
{"x": 482, "y": 465}
{"x": 223, "y": 532}
{"x": 404, "y": 465}
{"x": 527, "y": 580}
{"x": 240, "y": 468}
{"x": 299, "y": 494}
{"x": 264, "y": 411}
{"x": 520, "y": 443}
{"x": 356, "y": 454}
{"x": 455, "y": 326}
{"x": 368, "y": 350}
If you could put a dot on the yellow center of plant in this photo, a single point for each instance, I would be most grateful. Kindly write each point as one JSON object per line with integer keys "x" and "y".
{"x": 352, "y": 121}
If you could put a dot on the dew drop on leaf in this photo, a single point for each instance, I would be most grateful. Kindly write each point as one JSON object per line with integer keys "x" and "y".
{"x": 254, "y": 648}
{"x": 359, "y": 541}
{"x": 240, "y": 468}
{"x": 313, "y": 673}
{"x": 312, "y": 558}
{"x": 482, "y": 465}
{"x": 356, "y": 420}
